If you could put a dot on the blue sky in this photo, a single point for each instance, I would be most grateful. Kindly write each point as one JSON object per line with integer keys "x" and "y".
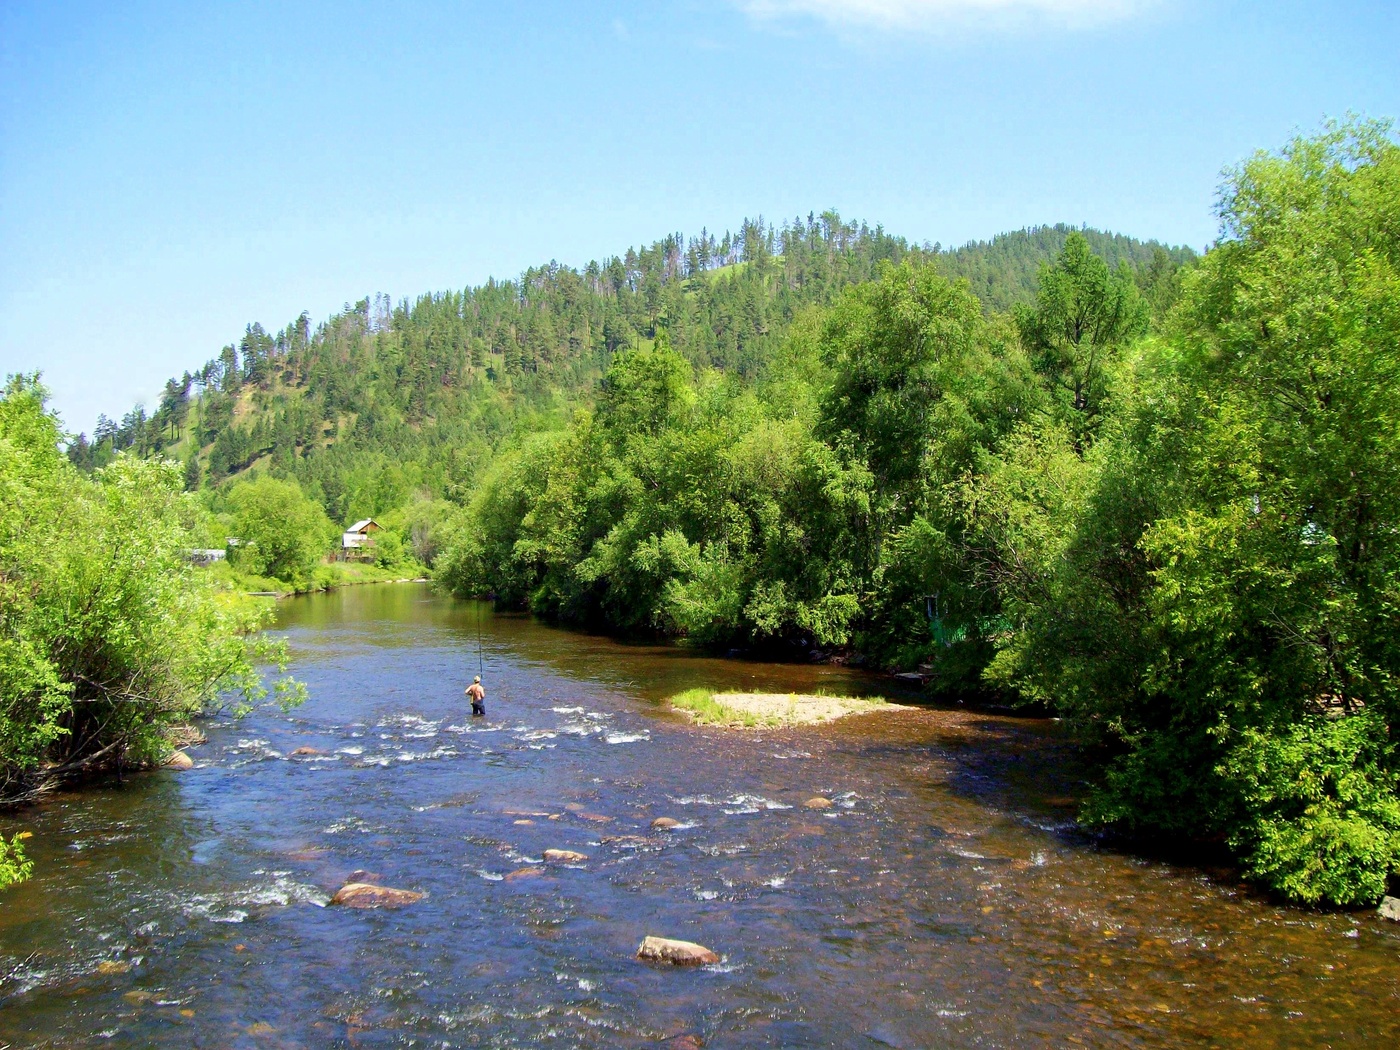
{"x": 169, "y": 173}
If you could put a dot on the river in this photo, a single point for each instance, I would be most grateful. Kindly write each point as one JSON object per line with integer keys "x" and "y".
{"x": 944, "y": 900}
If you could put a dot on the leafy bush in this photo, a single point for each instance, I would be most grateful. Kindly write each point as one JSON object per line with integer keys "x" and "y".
{"x": 14, "y": 865}
{"x": 1322, "y": 817}
{"x": 388, "y": 549}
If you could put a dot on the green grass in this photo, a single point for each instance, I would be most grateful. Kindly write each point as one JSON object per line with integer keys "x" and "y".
{"x": 325, "y": 577}
{"x": 827, "y": 694}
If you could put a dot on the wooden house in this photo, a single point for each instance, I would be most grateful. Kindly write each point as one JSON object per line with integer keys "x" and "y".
{"x": 357, "y": 542}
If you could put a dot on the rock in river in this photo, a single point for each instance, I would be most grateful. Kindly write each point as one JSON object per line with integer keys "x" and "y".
{"x": 368, "y": 895}
{"x": 677, "y": 953}
{"x": 818, "y": 803}
{"x": 1390, "y": 908}
{"x": 179, "y": 760}
{"x": 564, "y": 856}
{"x": 665, "y": 823}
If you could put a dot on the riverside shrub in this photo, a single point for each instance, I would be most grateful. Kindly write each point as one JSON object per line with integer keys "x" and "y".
{"x": 14, "y": 865}
{"x": 108, "y": 636}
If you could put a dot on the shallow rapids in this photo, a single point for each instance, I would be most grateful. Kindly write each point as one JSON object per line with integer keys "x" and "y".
{"x": 944, "y": 899}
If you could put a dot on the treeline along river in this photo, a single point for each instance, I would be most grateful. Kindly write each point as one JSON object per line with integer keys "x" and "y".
{"x": 944, "y": 900}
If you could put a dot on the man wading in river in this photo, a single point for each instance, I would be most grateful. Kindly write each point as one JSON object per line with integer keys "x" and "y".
{"x": 478, "y": 697}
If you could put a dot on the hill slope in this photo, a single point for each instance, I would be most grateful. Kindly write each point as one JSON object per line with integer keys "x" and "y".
{"x": 383, "y": 400}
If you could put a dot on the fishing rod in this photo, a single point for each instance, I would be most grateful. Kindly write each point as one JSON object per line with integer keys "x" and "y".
{"x": 480, "y": 663}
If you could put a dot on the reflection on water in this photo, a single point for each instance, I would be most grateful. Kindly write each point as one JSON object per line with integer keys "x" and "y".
{"x": 942, "y": 900}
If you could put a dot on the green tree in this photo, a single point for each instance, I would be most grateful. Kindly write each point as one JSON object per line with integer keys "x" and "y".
{"x": 921, "y": 385}
{"x": 280, "y": 532}
{"x": 1084, "y": 313}
{"x": 194, "y": 476}
{"x": 1216, "y": 602}
{"x": 645, "y": 390}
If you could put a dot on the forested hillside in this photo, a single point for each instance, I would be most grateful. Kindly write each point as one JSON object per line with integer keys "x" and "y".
{"x": 384, "y": 401}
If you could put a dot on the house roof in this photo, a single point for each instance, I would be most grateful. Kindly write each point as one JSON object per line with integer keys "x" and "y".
{"x": 363, "y": 526}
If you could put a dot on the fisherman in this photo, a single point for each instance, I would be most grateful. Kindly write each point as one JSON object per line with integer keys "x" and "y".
{"x": 478, "y": 697}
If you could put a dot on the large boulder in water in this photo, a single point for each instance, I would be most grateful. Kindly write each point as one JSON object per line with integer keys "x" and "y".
{"x": 665, "y": 823}
{"x": 1390, "y": 908}
{"x": 179, "y": 760}
{"x": 677, "y": 953}
{"x": 369, "y": 895}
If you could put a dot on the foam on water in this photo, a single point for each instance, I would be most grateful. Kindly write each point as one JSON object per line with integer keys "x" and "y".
{"x": 350, "y": 824}
{"x": 580, "y": 729}
{"x": 748, "y": 804}
{"x": 236, "y": 905}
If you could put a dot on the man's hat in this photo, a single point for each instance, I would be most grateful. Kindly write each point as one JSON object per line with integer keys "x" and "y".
{"x": 477, "y": 678}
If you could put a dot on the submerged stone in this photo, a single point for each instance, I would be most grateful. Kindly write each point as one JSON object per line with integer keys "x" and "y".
{"x": 665, "y": 823}
{"x": 818, "y": 803}
{"x": 564, "y": 856}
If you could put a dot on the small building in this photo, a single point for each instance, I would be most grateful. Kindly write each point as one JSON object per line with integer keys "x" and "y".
{"x": 205, "y": 556}
{"x": 358, "y": 540}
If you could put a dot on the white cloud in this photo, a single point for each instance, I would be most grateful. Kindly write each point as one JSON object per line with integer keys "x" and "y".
{"x": 937, "y": 14}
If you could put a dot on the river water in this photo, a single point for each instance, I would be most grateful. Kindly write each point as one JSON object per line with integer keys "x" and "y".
{"x": 944, "y": 900}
